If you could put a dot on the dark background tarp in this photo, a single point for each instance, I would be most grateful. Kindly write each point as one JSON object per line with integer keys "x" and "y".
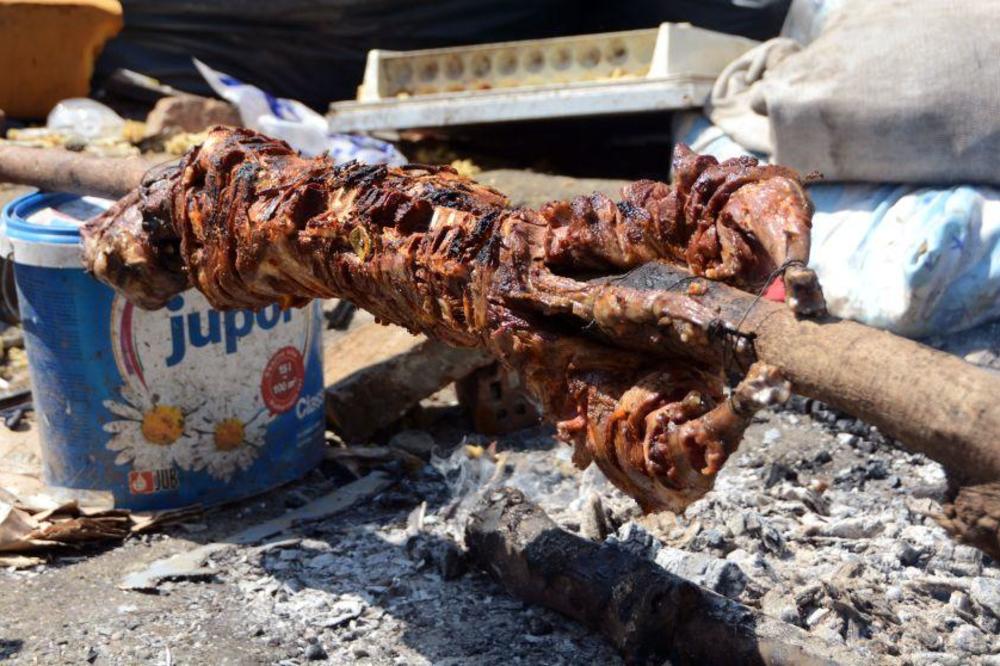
{"x": 315, "y": 51}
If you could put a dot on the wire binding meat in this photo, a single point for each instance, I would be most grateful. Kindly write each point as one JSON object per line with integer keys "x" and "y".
{"x": 249, "y": 222}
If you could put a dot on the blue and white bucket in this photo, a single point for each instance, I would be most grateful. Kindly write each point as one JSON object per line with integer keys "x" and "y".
{"x": 185, "y": 405}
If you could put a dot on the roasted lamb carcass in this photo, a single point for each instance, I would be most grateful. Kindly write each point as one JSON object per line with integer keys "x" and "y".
{"x": 738, "y": 222}
{"x": 249, "y": 222}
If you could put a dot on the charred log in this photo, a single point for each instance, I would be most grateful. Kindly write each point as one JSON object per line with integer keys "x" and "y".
{"x": 649, "y": 614}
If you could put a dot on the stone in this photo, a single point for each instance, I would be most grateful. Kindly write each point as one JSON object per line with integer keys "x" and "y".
{"x": 853, "y": 477}
{"x": 799, "y": 404}
{"x": 830, "y": 628}
{"x": 822, "y": 457}
{"x": 777, "y": 472}
{"x": 813, "y": 500}
{"x": 933, "y": 482}
{"x": 772, "y": 435}
{"x": 850, "y": 528}
{"x": 190, "y": 113}
{"x": 315, "y": 652}
{"x": 780, "y": 604}
{"x": 931, "y": 640}
{"x": 865, "y": 446}
{"x": 821, "y": 412}
{"x": 959, "y": 560}
{"x": 859, "y": 428}
{"x": 968, "y": 639}
{"x": 907, "y": 555}
{"x": 713, "y": 538}
{"x": 986, "y": 593}
{"x": 816, "y": 616}
{"x": 593, "y": 519}
{"x": 736, "y": 523}
{"x": 989, "y": 623}
{"x": 538, "y": 626}
{"x": 960, "y": 601}
{"x": 847, "y": 439}
{"x": 772, "y": 540}
{"x": 932, "y": 659}
{"x": 949, "y": 622}
{"x": 751, "y": 522}
{"x": 322, "y": 561}
{"x": 635, "y": 539}
{"x": 716, "y": 574}
{"x": 876, "y": 469}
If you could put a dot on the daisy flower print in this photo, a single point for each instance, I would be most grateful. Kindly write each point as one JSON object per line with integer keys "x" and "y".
{"x": 149, "y": 433}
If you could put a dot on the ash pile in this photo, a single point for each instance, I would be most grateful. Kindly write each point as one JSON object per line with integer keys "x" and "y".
{"x": 821, "y": 524}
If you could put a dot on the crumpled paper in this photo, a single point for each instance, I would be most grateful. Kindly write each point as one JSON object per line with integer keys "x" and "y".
{"x": 24, "y": 528}
{"x": 34, "y": 520}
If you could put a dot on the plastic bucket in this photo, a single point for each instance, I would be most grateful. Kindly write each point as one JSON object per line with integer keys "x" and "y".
{"x": 162, "y": 409}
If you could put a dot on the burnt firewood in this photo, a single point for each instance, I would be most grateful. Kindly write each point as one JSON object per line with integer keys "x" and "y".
{"x": 647, "y": 613}
{"x": 374, "y": 374}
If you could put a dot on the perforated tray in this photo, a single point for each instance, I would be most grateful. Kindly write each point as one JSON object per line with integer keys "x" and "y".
{"x": 669, "y": 67}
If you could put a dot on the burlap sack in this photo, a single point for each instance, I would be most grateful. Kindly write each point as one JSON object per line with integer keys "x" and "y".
{"x": 901, "y": 91}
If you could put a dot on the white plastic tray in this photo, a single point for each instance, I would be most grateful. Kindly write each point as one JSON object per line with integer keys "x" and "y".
{"x": 669, "y": 67}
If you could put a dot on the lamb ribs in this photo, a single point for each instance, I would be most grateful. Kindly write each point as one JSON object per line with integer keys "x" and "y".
{"x": 633, "y": 379}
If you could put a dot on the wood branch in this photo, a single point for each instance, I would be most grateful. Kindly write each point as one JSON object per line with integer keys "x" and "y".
{"x": 375, "y": 373}
{"x": 648, "y": 613}
{"x": 933, "y": 402}
{"x": 61, "y": 170}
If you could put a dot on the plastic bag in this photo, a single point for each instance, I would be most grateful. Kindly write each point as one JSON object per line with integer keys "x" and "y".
{"x": 85, "y": 118}
{"x": 918, "y": 261}
{"x": 294, "y": 122}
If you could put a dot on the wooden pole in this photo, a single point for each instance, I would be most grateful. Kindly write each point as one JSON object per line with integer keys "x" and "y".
{"x": 933, "y": 402}
{"x": 59, "y": 170}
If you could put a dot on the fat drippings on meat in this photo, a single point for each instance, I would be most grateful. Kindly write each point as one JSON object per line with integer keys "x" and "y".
{"x": 249, "y": 222}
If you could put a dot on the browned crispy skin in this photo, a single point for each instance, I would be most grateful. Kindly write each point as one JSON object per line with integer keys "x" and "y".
{"x": 249, "y": 222}
{"x": 737, "y": 221}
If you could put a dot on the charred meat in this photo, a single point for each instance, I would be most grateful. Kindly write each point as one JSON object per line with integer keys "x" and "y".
{"x": 249, "y": 222}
